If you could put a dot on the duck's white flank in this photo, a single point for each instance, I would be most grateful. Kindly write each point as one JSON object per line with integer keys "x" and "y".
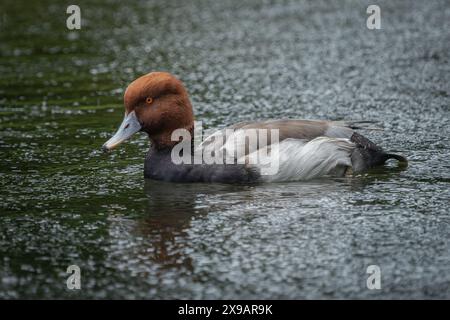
{"x": 301, "y": 160}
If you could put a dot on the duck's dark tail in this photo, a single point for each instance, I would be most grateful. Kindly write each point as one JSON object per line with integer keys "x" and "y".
{"x": 368, "y": 155}
{"x": 402, "y": 161}
{"x": 397, "y": 157}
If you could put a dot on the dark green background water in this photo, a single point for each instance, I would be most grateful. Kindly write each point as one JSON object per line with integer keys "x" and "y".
{"x": 64, "y": 202}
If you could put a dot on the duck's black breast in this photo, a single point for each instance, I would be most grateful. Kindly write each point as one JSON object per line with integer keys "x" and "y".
{"x": 159, "y": 166}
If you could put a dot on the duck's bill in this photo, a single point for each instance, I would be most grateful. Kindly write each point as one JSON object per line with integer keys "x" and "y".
{"x": 130, "y": 125}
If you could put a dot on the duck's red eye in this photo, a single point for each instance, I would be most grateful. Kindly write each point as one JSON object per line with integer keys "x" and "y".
{"x": 149, "y": 100}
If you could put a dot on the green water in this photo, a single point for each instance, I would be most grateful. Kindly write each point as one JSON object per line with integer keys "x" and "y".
{"x": 65, "y": 202}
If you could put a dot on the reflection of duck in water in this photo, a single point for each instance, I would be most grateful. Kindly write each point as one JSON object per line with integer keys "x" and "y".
{"x": 171, "y": 207}
{"x": 172, "y": 221}
{"x": 158, "y": 104}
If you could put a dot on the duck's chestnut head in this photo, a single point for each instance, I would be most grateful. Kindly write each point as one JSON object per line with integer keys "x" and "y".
{"x": 156, "y": 103}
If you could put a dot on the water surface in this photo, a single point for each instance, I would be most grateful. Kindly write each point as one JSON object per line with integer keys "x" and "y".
{"x": 64, "y": 202}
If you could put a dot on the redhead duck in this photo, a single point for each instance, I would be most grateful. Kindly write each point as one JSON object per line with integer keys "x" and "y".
{"x": 158, "y": 104}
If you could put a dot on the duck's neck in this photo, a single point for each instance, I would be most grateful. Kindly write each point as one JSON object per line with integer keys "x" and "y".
{"x": 164, "y": 140}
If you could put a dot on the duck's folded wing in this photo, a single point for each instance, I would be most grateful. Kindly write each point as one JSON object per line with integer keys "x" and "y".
{"x": 301, "y": 129}
{"x": 240, "y": 135}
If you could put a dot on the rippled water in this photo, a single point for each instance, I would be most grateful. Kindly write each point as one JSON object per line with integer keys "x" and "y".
{"x": 64, "y": 202}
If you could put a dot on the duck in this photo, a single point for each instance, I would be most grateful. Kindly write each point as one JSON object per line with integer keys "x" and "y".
{"x": 158, "y": 104}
